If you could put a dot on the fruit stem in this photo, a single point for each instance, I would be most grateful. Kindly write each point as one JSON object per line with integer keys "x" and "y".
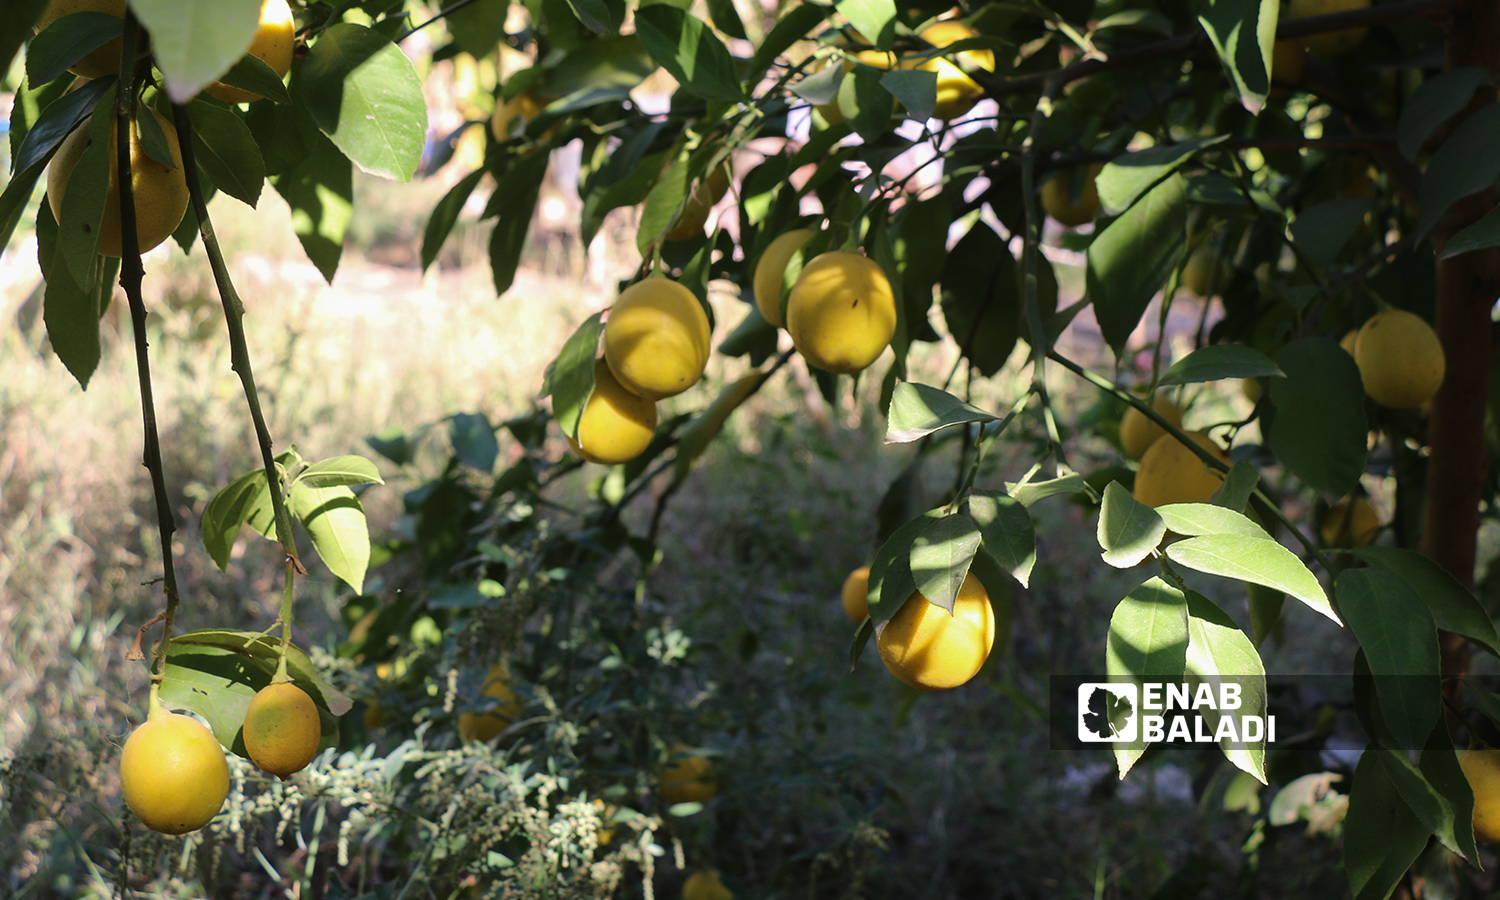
{"x": 154, "y": 707}
{"x": 287, "y": 591}
{"x": 132, "y": 272}
{"x": 234, "y": 316}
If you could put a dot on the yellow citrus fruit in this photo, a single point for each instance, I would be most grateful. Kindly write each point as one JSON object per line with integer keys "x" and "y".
{"x": 523, "y": 107}
{"x": 104, "y": 60}
{"x": 160, "y": 192}
{"x": 1400, "y": 359}
{"x": 705, "y": 886}
{"x": 688, "y": 779}
{"x": 772, "y": 267}
{"x": 856, "y": 589}
{"x": 656, "y": 338}
{"x": 1058, "y": 204}
{"x": 956, "y": 91}
{"x": 1252, "y": 389}
{"x": 1329, "y": 43}
{"x": 1204, "y": 272}
{"x": 282, "y": 729}
{"x": 273, "y": 43}
{"x": 1482, "y": 769}
{"x": 1171, "y": 473}
{"x": 1288, "y": 59}
{"x": 616, "y": 425}
{"x": 1351, "y": 522}
{"x": 841, "y": 313}
{"x": 1350, "y": 341}
{"x": 709, "y": 191}
{"x": 1138, "y": 433}
{"x": 931, "y": 650}
{"x": 173, "y": 774}
{"x": 484, "y": 726}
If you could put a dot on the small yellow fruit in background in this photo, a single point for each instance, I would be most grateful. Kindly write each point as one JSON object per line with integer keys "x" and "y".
{"x": 524, "y": 106}
{"x": 771, "y": 268}
{"x": 855, "y": 594}
{"x": 615, "y": 425}
{"x": 484, "y": 726}
{"x": 104, "y": 60}
{"x": 688, "y": 779}
{"x": 273, "y": 44}
{"x": 1138, "y": 433}
{"x": 656, "y": 338}
{"x": 956, "y": 91}
{"x": 173, "y": 774}
{"x": 1329, "y": 43}
{"x": 1351, "y": 522}
{"x": 1252, "y": 389}
{"x": 1400, "y": 359}
{"x": 931, "y": 650}
{"x": 1204, "y": 272}
{"x": 282, "y": 729}
{"x": 705, "y": 886}
{"x": 710, "y": 190}
{"x": 1172, "y": 473}
{"x": 1482, "y": 769}
{"x": 841, "y": 313}
{"x": 160, "y": 192}
{"x": 1059, "y": 205}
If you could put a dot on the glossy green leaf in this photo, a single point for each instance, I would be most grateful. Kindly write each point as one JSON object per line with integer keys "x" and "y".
{"x": 339, "y": 470}
{"x": 1453, "y": 607}
{"x": 1259, "y": 560}
{"x": 1217, "y": 362}
{"x": 891, "y": 577}
{"x": 1239, "y": 484}
{"x": 320, "y": 191}
{"x": 78, "y": 221}
{"x": 570, "y": 377}
{"x": 1218, "y": 654}
{"x": 940, "y": 557}
{"x": 195, "y": 41}
{"x": 70, "y": 312}
{"x": 664, "y": 204}
{"x": 16, "y": 20}
{"x": 226, "y": 151}
{"x": 1130, "y": 260}
{"x": 686, "y": 47}
{"x": 1320, "y": 432}
{"x": 1437, "y": 99}
{"x": 1147, "y": 644}
{"x": 915, "y": 88}
{"x": 252, "y": 74}
{"x": 1465, "y": 164}
{"x": 1030, "y": 493}
{"x": 598, "y": 71}
{"x": 1007, "y": 532}
{"x": 1207, "y": 518}
{"x": 1481, "y": 235}
{"x": 918, "y": 410}
{"x": 1128, "y": 530}
{"x": 1399, "y": 639}
{"x": 1126, "y": 177}
{"x": 336, "y": 523}
{"x": 445, "y": 215}
{"x": 474, "y": 442}
{"x": 243, "y": 499}
{"x": 875, "y": 19}
{"x": 1382, "y": 837}
{"x": 794, "y": 26}
{"x": 1265, "y": 611}
{"x": 364, "y": 94}
{"x": 66, "y": 41}
{"x": 1242, "y": 32}
{"x": 515, "y": 197}
{"x": 981, "y": 299}
{"x": 1322, "y": 230}
{"x": 477, "y": 27}
{"x": 870, "y": 113}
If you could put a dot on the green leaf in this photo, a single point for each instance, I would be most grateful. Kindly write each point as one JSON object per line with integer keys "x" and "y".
{"x": 1007, "y": 532}
{"x": 915, "y": 88}
{"x": 243, "y": 499}
{"x": 570, "y": 377}
{"x": 66, "y": 41}
{"x": 875, "y": 19}
{"x": 1399, "y": 640}
{"x": 515, "y": 197}
{"x": 226, "y": 151}
{"x": 1242, "y": 32}
{"x": 320, "y": 191}
{"x": 445, "y": 214}
{"x": 891, "y": 576}
{"x": 1239, "y": 484}
{"x": 686, "y": 47}
{"x": 1147, "y": 644}
{"x": 1130, "y": 260}
{"x": 336, "y": 523}
{"x": 339, "y": 470}
{"x": 1128, "y": 530}
{"x": 593, "y": 14}
{"x": 1265, "y": 611}
{"x": 664, "y": 204}
{"x": 726, "y": 18}
{"x": 870, "y": 115}
{"x": 1219, "y": 653}
{"x": 754, "y": 336}
{"x": 364, "y": 94}
{"x": 1217, "y": 362}
{"x": 479, "y": 26}
{"x": 1207, "y": 518}
{"x": 1465, "y": 164}
{"x": 252, "y": 74}
{"x": 263, "y": 650}
{"x": 981, "y": 298}
{"x": 1438, "y": 99}
{"x": 798, "y": 22}
{"x": 1258, "y": 560}
{"x": 1126, "y": 177}
{"x": 1030, "y": 493}
{"x": 598, "y": 71}
{"x": 1453, "y": 607}
{"x": 1482, "y": 235}
{"x": 83, "y": 204}
{"x": 940, "y": 557}
{"x": 70, "y": 312}
{"x": 1320, "y": 432}
{"x": 396, "y": 445}
{"x": 1382, "y": 837}
{"x": 56, "y": 121}
{"x": 1323, "y": 229}
{"x": 474, "y": 441}
{"x": 196, "y": 41}
{"x": 918, "y": 410}
{"x": 16, "y": 20}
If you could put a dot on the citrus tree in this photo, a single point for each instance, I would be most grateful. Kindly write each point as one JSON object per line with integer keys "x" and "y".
{"x": 874, "y": 177}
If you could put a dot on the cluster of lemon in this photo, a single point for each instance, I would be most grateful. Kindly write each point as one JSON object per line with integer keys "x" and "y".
{"x": 172, "y": 769}
{"x": 159, "y": 189}
{"x": 957, "y": 93}
{"x": 922, "y": 644}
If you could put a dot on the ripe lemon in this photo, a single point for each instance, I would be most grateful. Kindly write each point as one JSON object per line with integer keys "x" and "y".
{"x": 1482, "y": 768}
{"x": 1171, "y": 473}
{"x": 656, "y": 339}
{"x": 956, "y": 91}
{"x": 160, "y": 192}
{"x": 772, "y": 268}
{"x": 484, "y": 726}
{"x": 104, "y": 60}
{"x": 688, "y": 779}
{"x": 855, "y": 594}
{"x": 1138, "y": 433}
{"x": 1059, "y": 205}
{"x": 1329, "y": 43}
{"x": 710, "y": 190}
{"x": 274, "y": 41}
{"x": 616, "y": 425}
{"x": 1400, "y": 359}
{"x": 931, "y": 650}
{"x": 841, "y": 313}
{"x": 523, "y": 107}
{"x": 705, "y": 886}
{"x": 282, "y": 729}
{"x": 1252, "y": 389}
{"x": 173, "y": 774}
{"x": 1351, "y": 522}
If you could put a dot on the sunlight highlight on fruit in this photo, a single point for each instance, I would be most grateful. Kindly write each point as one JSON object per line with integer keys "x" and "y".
{"x": 841, "y": 313}
{"x": 282, "y": 729}
{"x": 173, "y": 774}
{"x": 931, "y": 650}
{"x": 656, "y": 338}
